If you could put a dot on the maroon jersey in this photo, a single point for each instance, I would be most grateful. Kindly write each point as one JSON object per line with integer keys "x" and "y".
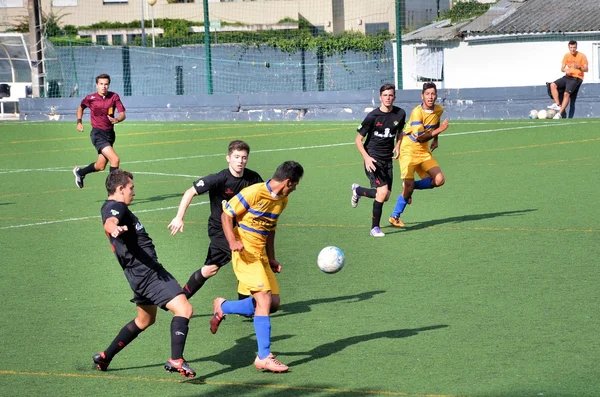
{"x": 102, "y": 107}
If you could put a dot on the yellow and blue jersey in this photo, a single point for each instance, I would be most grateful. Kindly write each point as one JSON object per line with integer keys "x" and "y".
{"x": 421, "y": 121}
{"x": 256, "y": 210}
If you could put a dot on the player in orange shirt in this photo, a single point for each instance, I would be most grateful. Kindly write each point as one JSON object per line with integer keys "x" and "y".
{"x": 574, "y": 64}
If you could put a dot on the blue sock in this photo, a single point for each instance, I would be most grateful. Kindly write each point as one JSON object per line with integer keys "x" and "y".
{"x": 262, "y": 327}
{"x": 399, "y": 208}
{"x": 426, "y": 183}
{"x": 245, "y": 307}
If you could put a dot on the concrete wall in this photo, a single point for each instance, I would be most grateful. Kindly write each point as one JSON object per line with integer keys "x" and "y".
{"x": 466, "y": 104}
{"x": 472, "y": 64}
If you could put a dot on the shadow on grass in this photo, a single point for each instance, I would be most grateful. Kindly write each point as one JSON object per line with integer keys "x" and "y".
{"x": 456, "y": 219}
{"x": 328, "y": 349}
{"x": 305, "y": 306}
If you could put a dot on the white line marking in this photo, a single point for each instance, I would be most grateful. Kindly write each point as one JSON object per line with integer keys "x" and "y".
{"x": 85, "y": 218}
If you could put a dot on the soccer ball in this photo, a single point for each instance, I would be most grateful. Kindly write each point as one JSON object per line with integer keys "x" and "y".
{"x": 550, "y": 113}
{"x": 331, "y": 259}
{"x": 542, "y": 114}
{"x": 533, "y": 114}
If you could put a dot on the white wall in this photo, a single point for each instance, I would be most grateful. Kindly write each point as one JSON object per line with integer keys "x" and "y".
{"x": 473, "y": 65}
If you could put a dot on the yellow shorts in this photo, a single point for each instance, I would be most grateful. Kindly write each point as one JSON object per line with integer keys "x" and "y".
{"x": 253, "y": 272}
{"x": 416, "y": 162}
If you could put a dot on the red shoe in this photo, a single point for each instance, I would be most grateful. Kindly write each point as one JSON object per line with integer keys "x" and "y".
{"x": 218, "y": 315}
{"x": 270, "y": 363}
{"x": 181, "y": 366}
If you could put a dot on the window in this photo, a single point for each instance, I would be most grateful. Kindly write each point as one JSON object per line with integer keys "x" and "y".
{"x": 374, "y": 28}
{"x": 430, "y": 64}
{"x": 115, "y": 1}
{"x": 117, "y": 39}
{"x": 102, "y": 39}
{"x": 64, "y": 3}
{"x": 180, "y": 1}
{"x": 11, "y": 4}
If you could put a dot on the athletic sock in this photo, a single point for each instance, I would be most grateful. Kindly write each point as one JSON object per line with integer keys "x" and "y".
{"x": 87, "y": 170}
{"x": 426, "y": 183}
{"x": 179, "y": 331}
{"x": 127, "y": 334}
{"x": 245, "y": 307}
{"x": 195, "y": 282}
{"x": 399, "y": 207}
{"x": 363, "y": 192}
{"x": 377, "y": 210}
{"x": 111, "y": 169}
{"x": 262, "y": 327}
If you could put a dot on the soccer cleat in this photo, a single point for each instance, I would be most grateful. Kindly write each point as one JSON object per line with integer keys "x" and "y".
{"x": 218, "y": 315}
{"x": 355, "y": 196}
{"x": 557, "y": 116}
{"x": 78, "y": 178}
{"x": 270, "y": 363}
{"x": 100, "y": 361}
{"x": 181, "y": 366}
{"x": 554, "y": 106}
{"x": 396, "y": 222}
{"x": 376, "y": 232}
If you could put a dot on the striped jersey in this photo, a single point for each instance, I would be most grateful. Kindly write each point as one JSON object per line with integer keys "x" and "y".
{"x": 256, "y": 210}
{"x": 420, "y": 122}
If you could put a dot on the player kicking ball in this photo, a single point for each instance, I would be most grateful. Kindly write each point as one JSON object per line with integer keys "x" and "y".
{"x": 153, "y": 286}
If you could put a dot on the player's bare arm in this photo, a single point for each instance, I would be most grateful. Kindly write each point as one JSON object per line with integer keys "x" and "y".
{"x": 79, "y": 119}
{"x": 176, "y": 224}
{"x": 274, "y": 263}
{"x": 430, "y": 135}
{"x": 369, "y": 161}
{"x": 111, "y": 226}
{"x": 116, "y": 120}
{"x": 396, "y": 151}
{"x": 227, "y": 223}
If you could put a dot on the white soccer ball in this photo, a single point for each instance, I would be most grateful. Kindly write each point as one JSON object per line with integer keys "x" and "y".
{"x": 533, "y": 114}
{"x": 542, "y": 114}
{"x": 331, "y": 259}
{"x": 550, "y": 113}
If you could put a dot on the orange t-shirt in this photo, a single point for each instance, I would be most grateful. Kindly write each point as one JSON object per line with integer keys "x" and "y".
{"x": 579, "y": 59}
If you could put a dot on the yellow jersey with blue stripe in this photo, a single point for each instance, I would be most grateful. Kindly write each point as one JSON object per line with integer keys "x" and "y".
{"x": 256, "y": 210}
{"x": 421, "y": 121}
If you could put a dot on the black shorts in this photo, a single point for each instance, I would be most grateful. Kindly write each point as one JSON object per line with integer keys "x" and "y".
{"x": 102, "y": 138}
{"x": 218, "y": 251}
{"x": 152, "y": 287}
{"x": 383, "y": 174}
{"x": 568, "y": 84}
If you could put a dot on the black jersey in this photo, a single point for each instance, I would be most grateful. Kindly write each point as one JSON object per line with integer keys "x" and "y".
{"x": 380, "y": 130}
{"x": 223, "y": 186}
{"x": 133, "y": 247}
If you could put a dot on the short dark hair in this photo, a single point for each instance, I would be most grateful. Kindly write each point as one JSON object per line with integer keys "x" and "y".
{"x": 103, "y": 76}
{"x": 239, "y": 146}
{"x": 117, "y": 178}
{"x": 386, "y": 87}
{"x": 427, "y": 86}
{"x": 573, "y": 42}
{"x": 289, "y": 170}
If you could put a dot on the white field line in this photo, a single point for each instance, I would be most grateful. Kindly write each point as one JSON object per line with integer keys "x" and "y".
{"x": 69, "y": 168}
{"x": 85, "y": 218}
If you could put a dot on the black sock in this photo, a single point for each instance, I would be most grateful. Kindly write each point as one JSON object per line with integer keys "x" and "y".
{"x": 377, "y": 210}
{"x": 195, "y": 282}
{"x": 363, "y": 192}
{"x": 127, "y": 334}
{"x": 87, "y": 170}
{"x": 179, "y": 331}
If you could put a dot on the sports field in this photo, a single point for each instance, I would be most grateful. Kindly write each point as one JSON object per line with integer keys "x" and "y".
{"x": 491, "y": 289}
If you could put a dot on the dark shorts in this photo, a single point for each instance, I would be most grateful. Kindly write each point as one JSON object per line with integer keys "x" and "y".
{"x": 568, "y": 84}
{"x": 383, "y": 174}
{"x": 218, "y": 251}
{"x": 102, "y": 138}
{"x": 152, "y": 287}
